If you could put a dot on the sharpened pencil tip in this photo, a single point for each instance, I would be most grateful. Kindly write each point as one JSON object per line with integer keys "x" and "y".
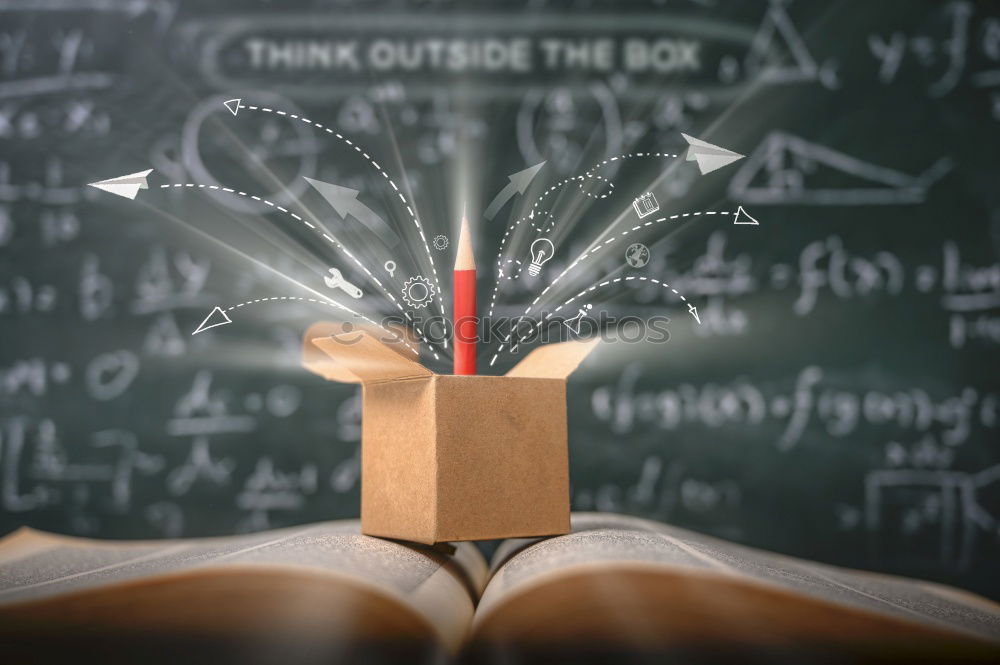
{"x": 465, "y": 258}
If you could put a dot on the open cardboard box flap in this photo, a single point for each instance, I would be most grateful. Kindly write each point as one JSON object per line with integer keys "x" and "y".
{"x": 554, "y": 361}
{"x": 367, "y": 359}
{"x": 330, "y": 366}
{"x": 359, "y": 357}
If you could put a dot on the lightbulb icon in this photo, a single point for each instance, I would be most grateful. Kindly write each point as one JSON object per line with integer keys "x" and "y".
{"x": 541, "y": 251}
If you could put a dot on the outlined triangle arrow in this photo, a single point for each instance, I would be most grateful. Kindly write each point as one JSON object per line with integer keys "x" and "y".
{"x": 741, "y": 217}
{"x": 215, "y": 318}
{"x": 234, "y": 105}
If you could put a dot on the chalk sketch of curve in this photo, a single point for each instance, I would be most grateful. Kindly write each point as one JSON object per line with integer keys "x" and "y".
{"x": 781, "y": 169}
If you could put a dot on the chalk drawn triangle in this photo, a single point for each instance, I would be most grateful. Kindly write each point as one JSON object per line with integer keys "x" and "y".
{"x": 788, "y": 170}
{"x": 214, "y": 319}
{"x": 741, "y": 217}
{"x": 233, "y": 105}
{"x": 777, "y": 40}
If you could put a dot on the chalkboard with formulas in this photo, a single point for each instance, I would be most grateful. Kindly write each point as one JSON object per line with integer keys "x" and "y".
{"x": 830, "y": 384}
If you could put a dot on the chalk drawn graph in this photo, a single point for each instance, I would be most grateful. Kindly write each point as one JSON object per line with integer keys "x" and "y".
{"x": 789, "y": 170}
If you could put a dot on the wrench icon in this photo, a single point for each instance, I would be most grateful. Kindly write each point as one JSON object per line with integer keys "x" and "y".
{"x": 337, "y": 281}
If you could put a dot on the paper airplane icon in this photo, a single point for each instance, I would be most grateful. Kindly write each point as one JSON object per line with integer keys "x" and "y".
{"x": 709, "y": 157}
{"x": 124, "y": 185}
{"x": 215, "y": 318}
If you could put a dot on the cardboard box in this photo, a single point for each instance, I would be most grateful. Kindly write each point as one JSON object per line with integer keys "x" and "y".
{"x": 445, "y": 457}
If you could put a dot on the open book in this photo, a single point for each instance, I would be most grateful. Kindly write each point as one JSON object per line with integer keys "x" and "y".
{"x": 324, "y": 593}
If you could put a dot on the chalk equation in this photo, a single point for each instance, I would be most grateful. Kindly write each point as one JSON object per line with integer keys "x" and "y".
{"x": 116, "y": 421}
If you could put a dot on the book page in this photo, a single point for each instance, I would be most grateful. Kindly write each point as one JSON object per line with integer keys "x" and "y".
{"x": 605, "y": 540}
{"x": 442, "y": 588}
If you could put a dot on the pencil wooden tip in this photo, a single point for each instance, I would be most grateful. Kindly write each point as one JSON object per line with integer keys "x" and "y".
{"x": 465, "y": 259}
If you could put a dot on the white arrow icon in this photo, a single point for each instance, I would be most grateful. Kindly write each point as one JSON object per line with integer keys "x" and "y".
{"x": 693, "y": 311}
{"x": 345, "y": 201}
{"x": 214, "y": 319}
{"x": 234, "y": 105}
{"x": 741, "y": 217}
{"x": 124, "y": 185}
{"x": 518, "y": 183}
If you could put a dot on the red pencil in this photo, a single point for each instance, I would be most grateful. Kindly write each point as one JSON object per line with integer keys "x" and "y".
{"x": 464, "y": 288}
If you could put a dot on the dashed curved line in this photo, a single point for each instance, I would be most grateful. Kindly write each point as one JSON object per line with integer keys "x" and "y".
{"x": 509, "y": 261}
{"x": 616, "y": 280}
{"x": 545, "y": 228}
{"x": 357, "y": 148}
{"x": 586, "y": 174}
{"x": 501, "y": 262}
{"x": 591, "y": 289}
{"x": 583, "y": 257}
{"x": 329, "y": 303}
{"x": 500, "y": 275}
{"x": 326, "y": 236}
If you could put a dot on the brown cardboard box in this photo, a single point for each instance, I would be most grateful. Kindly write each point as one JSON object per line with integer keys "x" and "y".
{"x": 447, "y": 457}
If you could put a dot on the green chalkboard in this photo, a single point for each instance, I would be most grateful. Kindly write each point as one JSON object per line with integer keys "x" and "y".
{"x": 829, "y": 384}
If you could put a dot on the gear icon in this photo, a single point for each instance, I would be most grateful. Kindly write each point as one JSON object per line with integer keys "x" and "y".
{"x": 441, "y": 243}
{"x": 418, "y": 291}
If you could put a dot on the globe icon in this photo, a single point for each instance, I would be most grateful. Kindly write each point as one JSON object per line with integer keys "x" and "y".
{"x": 637, "y": 255}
